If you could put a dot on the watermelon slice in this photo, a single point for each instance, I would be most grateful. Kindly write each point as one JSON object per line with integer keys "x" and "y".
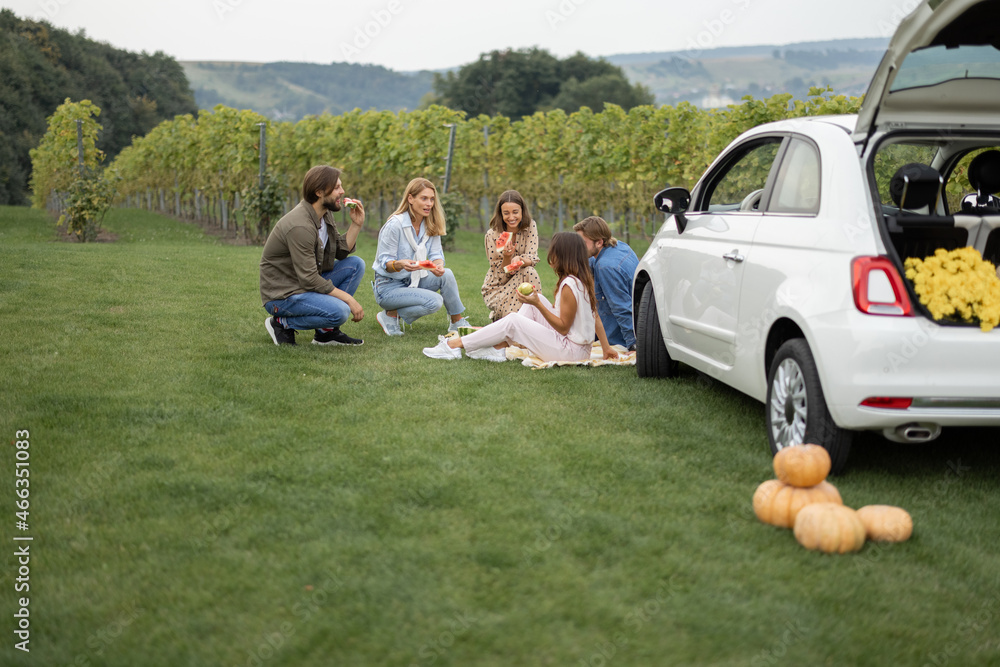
{"x": 351, "y": 203}
{"x": 426, "y": 264}
{"x": 513, "y": 266}
{"x": 502, "y": 240}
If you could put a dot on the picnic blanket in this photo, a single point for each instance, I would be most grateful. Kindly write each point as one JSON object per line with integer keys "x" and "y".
{"x": 625, "y": 358}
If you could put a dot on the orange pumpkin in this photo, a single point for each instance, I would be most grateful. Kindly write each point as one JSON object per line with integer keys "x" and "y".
{"x": 802, "y": 465}
{"x": 885, "y": 523}
{"x": 778, "y": 504}
{"x": 830, "y": 528}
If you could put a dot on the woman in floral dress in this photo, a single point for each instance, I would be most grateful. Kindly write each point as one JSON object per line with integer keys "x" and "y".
{"x": 519, "y": 254}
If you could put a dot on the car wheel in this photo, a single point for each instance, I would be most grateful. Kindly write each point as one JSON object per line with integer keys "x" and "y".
{"x": 651, "y": 356}
{"x": 796, "y": 408}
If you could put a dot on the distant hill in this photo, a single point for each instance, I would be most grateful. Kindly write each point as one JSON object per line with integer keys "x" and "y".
{"x": 706, "y": 78}
{"x": 860, "y": 44}
{"x": 716, "y": 77}
{"x": 290, "y": 91}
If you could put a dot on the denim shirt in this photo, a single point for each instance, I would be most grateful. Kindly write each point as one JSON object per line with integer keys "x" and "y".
{"x": 614, "y": 268}
{"x": 392, "y": 244}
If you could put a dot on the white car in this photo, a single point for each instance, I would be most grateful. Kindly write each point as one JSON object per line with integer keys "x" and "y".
{"x": 781, "y": 272}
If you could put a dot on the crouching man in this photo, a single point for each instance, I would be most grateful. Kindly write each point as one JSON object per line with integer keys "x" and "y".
{"x": 307, "y": 273}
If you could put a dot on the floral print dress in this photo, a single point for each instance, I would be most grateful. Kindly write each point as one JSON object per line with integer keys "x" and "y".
{"x": 499, "y": 287}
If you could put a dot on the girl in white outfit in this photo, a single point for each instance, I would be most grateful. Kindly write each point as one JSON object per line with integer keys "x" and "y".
{"x": 564, "y": 332}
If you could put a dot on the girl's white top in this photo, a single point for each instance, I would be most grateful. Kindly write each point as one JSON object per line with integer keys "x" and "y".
{"x": 584, "y": 327}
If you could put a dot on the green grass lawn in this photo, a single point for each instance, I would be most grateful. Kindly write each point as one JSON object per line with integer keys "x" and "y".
{"x": 200, "y": 496}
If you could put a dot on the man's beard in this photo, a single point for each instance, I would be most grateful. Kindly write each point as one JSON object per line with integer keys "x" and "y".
{"x": 333, "y": 206}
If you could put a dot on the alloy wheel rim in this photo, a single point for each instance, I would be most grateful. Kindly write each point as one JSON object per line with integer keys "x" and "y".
{"x": 789, "y": 406}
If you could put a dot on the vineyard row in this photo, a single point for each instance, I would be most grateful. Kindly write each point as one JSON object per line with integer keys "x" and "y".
{"x": 567, "y": 166}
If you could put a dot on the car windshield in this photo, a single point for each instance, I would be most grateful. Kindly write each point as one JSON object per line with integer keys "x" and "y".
{"x": 937, "y": 64}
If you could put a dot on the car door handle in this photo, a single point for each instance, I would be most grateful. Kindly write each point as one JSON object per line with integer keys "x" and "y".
{"x": 734, "y": 256}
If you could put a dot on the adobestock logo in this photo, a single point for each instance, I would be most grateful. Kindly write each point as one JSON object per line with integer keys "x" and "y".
{"x": 714, "y": 29}
{"x": 223, "y": 7}
{"x": 565, "y": 9}
{"x": 52, "y": 7}
{"x": 887, "y": 26}
{"x": 381, "y": 19}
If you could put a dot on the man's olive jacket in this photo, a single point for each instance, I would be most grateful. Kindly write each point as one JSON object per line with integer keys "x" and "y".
{"x": 293, "y": 258}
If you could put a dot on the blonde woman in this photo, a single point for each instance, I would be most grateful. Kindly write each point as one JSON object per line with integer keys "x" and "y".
{"x": 410, "y": 278}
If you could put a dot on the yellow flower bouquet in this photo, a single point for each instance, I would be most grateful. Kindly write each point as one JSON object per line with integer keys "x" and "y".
{"x": 957, "y": 285}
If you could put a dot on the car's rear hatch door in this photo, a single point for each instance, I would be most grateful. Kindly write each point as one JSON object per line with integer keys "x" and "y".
{"x": 941, "y": 71}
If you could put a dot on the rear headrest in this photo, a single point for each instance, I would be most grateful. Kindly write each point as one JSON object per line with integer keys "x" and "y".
{"x": 984, "y": 172}
{"x": 915, "y": 185}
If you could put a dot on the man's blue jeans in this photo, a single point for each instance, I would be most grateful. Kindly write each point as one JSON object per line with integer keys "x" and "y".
{"x": 312, "y": 310}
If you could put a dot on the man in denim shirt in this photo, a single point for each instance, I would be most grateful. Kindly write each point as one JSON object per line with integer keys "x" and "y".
{"x": 613, "y": 264}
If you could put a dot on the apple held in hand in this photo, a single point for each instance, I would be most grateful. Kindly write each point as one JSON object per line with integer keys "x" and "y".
{"x": 525, "y": 288}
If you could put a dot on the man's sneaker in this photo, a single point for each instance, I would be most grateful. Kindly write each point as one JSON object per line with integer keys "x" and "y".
{"x": 443, "y": 351}
{"x": 489, "y": 353}
{"x": 335, "y": 337}
{"x": 279, "y": 334}
{"x": 390, "y": 325}
{"x": 461, "y": 323}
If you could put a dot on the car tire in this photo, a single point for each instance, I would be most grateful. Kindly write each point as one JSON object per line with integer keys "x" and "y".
{"x": 796, "y": 409}
{"x": 651, "y": 356}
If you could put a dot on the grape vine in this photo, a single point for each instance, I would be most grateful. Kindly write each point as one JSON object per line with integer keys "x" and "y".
{"x": 608, "y": 162}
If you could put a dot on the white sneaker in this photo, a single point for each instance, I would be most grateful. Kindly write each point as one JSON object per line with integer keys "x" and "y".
{"x": 390, "y": 325}
{"x": 443, "y": 351}
{"x": 455, "y": 326}
{"x": 488, "y": 353}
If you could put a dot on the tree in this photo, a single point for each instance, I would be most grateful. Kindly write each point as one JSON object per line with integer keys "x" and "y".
{"x": 510, "y": 83}
{"x": 519, "y": 83}
{"x": 596, "y": 91}
{"x": 43, "y": 65}
{"x": 87, "y": 202}
{"x": 580, "y": 67}
{"x": 56, "y": 161}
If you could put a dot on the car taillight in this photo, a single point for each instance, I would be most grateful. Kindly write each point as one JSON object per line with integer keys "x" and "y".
{"x": 878, "y": 288}
{"x": 887, "y": 402}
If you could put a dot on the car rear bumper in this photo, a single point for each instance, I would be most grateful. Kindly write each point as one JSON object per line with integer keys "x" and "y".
{"x": 869, "y": 418}
{"x": 952, "y": 373}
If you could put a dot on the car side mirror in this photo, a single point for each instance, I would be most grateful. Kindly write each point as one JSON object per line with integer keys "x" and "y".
{"x": 674, "y": 201}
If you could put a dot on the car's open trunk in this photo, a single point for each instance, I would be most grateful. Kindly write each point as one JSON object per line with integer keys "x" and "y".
{"x": 915, "y": 235}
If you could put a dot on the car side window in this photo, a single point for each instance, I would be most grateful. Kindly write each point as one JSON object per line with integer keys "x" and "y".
{"x": 740, "y": 182}
{"x": 796, "y": 186}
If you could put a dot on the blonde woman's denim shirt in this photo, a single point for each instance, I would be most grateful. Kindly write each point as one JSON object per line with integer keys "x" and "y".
{"x": 392, "y": 245}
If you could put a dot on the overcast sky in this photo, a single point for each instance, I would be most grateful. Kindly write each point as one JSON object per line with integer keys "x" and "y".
{"x": 436, "y": 34}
